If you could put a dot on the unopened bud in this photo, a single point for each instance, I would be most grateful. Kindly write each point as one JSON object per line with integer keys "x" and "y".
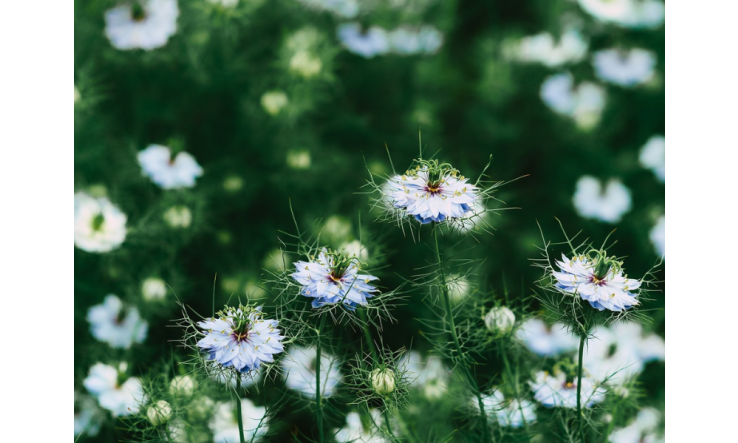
{"x": 500, "y": 320}
{"x": 159, "y": 413}
{"x": 383, "y": 381}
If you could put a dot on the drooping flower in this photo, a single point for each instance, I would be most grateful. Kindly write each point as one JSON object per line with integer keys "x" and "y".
{"x": 354, "y": 431}
{"x": 366, "y": 44}
{"x": 298, "y": 368}
{"x": 433, "y": 192}
{"x": 116, "y": 326}
{"x": 598, "y": 279}
{"x": 626, "y": 68}
{"x": 240, "y": 338}
{"x": 334, "y": 278}
{"x": 431, "y": 375}
{"x": 166, "y": 171}
{"x": 144, "y": 24}
{"x": 583, "y": 103}
{"x": 87, "y": 416}
{"x": 653, "y": 156}
{"x": 99, "y": 226}
{"x": 546, "y": 340}
{"x": 225, "y": 421}
{"x": 658, "y": 236}
{"x": 626, "y": 13}
{"x": 608, "y": 203}
{"x": 512, "y": 413}
{"x": 644, "y": 429}
{"x": 560, "y": 390}
{"x": 544, "y": 48}
{"x": 121, "y": 396}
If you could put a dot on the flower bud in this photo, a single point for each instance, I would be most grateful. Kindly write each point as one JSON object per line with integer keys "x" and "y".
{"x": 383, "y": 381}
{"x": 182, "y": 385}
{"x": 159, "y": 413}
{"x": 153, "y": 288}
{"x": 500, "y": 320}
{"x": 178, "y": 217}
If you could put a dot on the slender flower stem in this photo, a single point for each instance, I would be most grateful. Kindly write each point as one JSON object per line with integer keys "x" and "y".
{"x": 367, "y": 334}
{"x": 457, "y": 344}
{"x": 389, "y": 428}
{"x": 580, "y": 416}
{"x": 318, "y": 394}
{"x": 238, "y": 408}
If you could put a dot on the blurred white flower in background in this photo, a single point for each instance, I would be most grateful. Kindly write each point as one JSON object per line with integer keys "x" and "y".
{"x": 299, "y": 159}
{"x": 407, "y": 41}
{"x": 356, "y": 249}
{"x": 226, "y": 3}
{"x": 166, "y": 171}
{"x": 178, "y": 217}
{"x": 145, "y": 24}
{"x": 183, "y": 385}
{"x": 627, "y": 13}
{"x": 653, "y": 156}
{"x": 153, "y": 288}
{"x": 644, "y": 429}
{"x": 621, "y": 351}
{"x": 510, "y": 413}
{"x": 544, "y": 48}
{"x": 116, "y": 326}
{"x": 546, "y": 340}
{"x": 342, "y": 8}
{"x": 431, "y": 376}
{"x": 354, "y": 430}
{"x": 607, "y": 204}
{"x": 225, "y": 421}
{"x": 99, "y": 226}
{"x": 120, "y": 397}
{"x": 306, "y": 64}
{"x": 558, "y": 390}
{"x": 298, "y": 367}
{"x": 87, "y": 416}
{"x": 624, "y": 67}
{"x": 366, "y": 44}
{"x": 583, "y": 103}
{"x": 274, "y": 101}
{"x": 658, "y": 236}
{"x": 458, "y": 287}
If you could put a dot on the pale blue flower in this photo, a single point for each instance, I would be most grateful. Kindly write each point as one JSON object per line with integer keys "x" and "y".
{"x": 653, "y": 156}
{"x": 119, "y": 397}
{"x": 583, "y": 103}
{"x": 373, "y": 42}
{"x": 406, "y": 41}
{"x": 624, "y": 67}
{"x": 169, "y": 173}
{"x": 99, "y": 225}
{"x": 241, "y": 339}
{"x": 147, "y": 27}
{"x": 608, "y": 203}
{"x": 298, "y": 368}
{"x": 627, "y": 13}
{"x": 512, "y": 413}
{"x": 558, "y": 390}
{"x": 334, "y": 278}
{"x": 116, "y": 326}
{"x": 546, "y": 340}
{"x": 658, "y": 236}
{"x": 341, "y": 8}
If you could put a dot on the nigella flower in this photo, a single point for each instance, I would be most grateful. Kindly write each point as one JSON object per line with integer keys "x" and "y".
{"x": 598, "y": 279}
{"x": 627, "y": 13}
{"x": 653, "y": 156}
{"x": 560, "y": 390}
{"x": 626, "y": 68}
{"x": 510, "y": 413}
{"x": 225, "y": 421}
{"x": 116, "y": 393}
{"x": 546, "y": 340}
{"x": 545, "y": 49}
{"x": 334, "y": 278}
{"x": 87, "y": 416}
{"x": 298, "y": 367}
{"x": 116, "y": 326}
{"x": 99, "y": 226}
{"x": 433, "y": 192}
{"x": 644, "y": 429}
{"x": 166, "y": 171}
{"x": 144, "y": 24}
{"x": 240, "y": 339}
{"x": 366, "y": 44}
{"x": 658, "y": 236}
{"x": 606, "y": 203}
{"x": 426, "y": 40}
{"x": 583, "y": 103}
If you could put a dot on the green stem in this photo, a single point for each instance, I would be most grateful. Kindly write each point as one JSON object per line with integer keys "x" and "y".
{"x": 238, "y": 408}
{"x": 368, "y": 335}
{"x": 580, "y": 416}
{"x": 387, "y": 423}
{"x": 454, "y": 335}
{"x": 318, "y": 394}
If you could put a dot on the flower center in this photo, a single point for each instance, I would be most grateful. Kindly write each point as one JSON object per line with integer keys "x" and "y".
{"x": 433, "y": 188}
{"x": 97, "y": 222}
{"x": 598, "y": 281}
{"x": 334, "y": 278}
{"x": 569, "y": 385}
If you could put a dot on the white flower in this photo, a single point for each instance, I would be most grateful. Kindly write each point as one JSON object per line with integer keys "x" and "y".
{"x": 241, "y": 339}
{"x": 99, "y": 226}
{"x": 306, "y": 64}
{"x": 606, "y": 204}
{"x": 119, "y": 328}
{"x": 406, "y": 41}
{"x": 354, "y": 430}
{"x": 274, "y": 101}
{"x": 225, "y": 422}
{"x": 598, "y": 280}
{"x": 183, "y": 385}
{"x": 556, "y": 390}
{"x": 544, "y": 49}
{"x": 433, "y": 193}
{"x": 500, "y": 320}
{"x": 627, "y": 13}
{"x": 584, "y": 103}
{"x": 545, "y": 340}
{"x": 153, "y": 289}
{"x": 169, "y": 173}
{"x": 658, "y": 236}
{"x": 178, "y": 217}
{"x": 298, "y": 367}
{"x": 145, "y": 24}
{"x": 383, "y": 381}
{"x": 87, "y": 417}
{"x": 356, "y": 249}
{"x": 653, "y": 156}
{"x": 342, "y": 8}
{"x": 373, "y": 42}
{"x": 298, "y": 159}
{"x": 431, "y": 376}
{"x": 159, "y": 413}
{"x": 511, "y": 413}
{"x": 119, "y": 398}
{"x": 334, "y": 278}
{"x": 626, "y": 68}
{"x": 643, "y": 429}
{"x": 620, "y": 351}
